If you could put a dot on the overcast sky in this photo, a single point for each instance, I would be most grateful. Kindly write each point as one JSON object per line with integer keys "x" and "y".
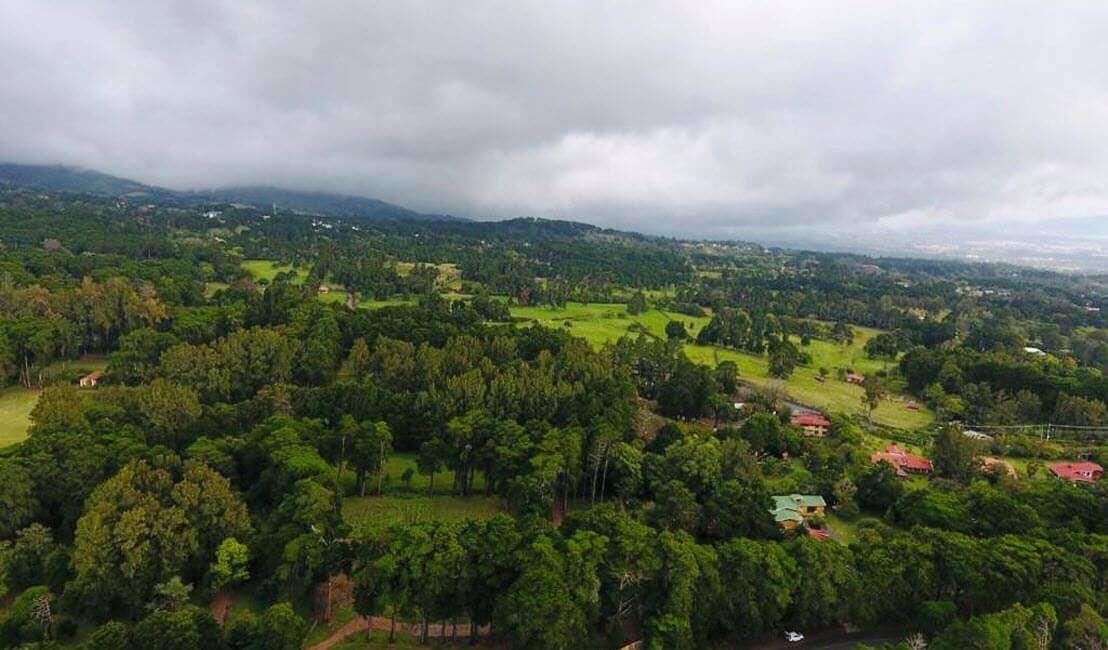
{"x": 696, "y": 118}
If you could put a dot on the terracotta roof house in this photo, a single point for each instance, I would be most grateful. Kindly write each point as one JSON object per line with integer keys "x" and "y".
{"x": 855, "y": 378}
{"x": 1084, "y": 472}
{"x": 813, "y": 424}
{"x": 902, "y": 460}
{"x": 790, "y": 510}
{"x": 90, "y": 380}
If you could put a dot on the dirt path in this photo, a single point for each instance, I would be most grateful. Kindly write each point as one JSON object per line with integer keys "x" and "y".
{"x": 382, "y": 624}
{"x": 220, "y": 607}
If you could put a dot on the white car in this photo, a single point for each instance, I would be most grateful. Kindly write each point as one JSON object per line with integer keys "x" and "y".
{"x": 794, "y": 637}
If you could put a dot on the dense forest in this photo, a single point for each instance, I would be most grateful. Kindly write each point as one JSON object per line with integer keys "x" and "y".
{"x": 301, "y": 419}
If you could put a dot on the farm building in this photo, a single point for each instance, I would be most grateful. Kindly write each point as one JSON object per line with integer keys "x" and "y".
{"x": 855, "y": 378}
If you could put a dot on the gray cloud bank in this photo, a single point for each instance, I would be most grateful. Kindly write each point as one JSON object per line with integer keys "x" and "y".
{"x": 698, "y": 119}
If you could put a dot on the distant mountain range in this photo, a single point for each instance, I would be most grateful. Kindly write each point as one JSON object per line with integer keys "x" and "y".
{"x": 58, "y": 178}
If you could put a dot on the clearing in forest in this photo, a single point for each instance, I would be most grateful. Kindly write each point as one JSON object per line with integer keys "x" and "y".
{"x": 268, "y": 269}
{"x": 17, "y": 402}
{"x": 601, "y": 323}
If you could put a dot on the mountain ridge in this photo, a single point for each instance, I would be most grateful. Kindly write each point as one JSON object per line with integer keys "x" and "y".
{"x": 64, "y": 178}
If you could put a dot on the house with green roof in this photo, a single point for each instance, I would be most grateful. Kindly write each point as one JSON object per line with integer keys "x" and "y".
{"x": 791, "y": 510}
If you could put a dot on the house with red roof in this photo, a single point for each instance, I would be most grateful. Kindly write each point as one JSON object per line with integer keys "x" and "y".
{"x": 1083, "y": 472}
{"x": 902, "y": 461}
{"x": 813, "y": 424}
{"x": 855, "y": 378}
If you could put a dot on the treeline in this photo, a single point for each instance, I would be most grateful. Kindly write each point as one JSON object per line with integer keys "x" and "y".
{"x": 1004, "y": 388}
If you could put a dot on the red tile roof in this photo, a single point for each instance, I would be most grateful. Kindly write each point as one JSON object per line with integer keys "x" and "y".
{"x": 902, "y": 460}
{"x": 818, "y": 534}
{"x": 1086, "y": 471}
{"x": 810, "y": 420}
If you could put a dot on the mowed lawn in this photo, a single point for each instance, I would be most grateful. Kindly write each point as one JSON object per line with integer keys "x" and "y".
{"x": 600, "y": 323}
{"x": 16, "y": 404}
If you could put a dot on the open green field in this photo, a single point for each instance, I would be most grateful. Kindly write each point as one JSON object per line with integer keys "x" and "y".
{"x": 339, "y": 297}
{"x": 450, "y": 276}
{"x": 210, "y": 288}
{"x": 401, "y": 461}
{"x": 602, "y": 323}
{"x": 803, "y": 386}
{"x": 406, "y": 503}
{"x": 375, "y": 512}
{"x": 268, "y": 269}
{"x": 16, "y": 402}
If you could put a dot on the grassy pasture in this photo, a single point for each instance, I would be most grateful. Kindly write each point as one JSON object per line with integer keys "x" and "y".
{"x": 602, "y": 323}
{"x": 450, "y": 276}
{"x": 268, "y": 269}
{"x": 16, "y": 402}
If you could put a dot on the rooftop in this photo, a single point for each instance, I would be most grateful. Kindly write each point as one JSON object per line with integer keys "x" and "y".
{"x": 1084, "y": 471}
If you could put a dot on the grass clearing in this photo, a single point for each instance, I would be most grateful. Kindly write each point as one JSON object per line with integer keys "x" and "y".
{"x": 268, "y": 269}
{"x": 399, "y": 462}
{"x": 601, "y": 323}
{"x": 842, "y": 531}
{"x": 376, "y": 513}
{"x": 16, "y": 402}
{"x": 450, "y": 276}
{"x": 804, "y": 386}
{"x": 211, "y": 288}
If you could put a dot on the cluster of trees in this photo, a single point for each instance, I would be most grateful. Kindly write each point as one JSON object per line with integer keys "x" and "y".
{"x": 234, "y": 423}
{"x": 603, "y": 569}
{"x": 1003, "y": 388}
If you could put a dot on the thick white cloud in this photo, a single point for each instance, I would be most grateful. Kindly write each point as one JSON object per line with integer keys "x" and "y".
{"x": 710, "y": 119}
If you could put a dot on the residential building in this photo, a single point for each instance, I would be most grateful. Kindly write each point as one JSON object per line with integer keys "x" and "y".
{"x": 902, "y": 461}
{"x": 1083, "y": 472}
{"x": 813, "y": 424}
{"x": 791, "y": 510}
